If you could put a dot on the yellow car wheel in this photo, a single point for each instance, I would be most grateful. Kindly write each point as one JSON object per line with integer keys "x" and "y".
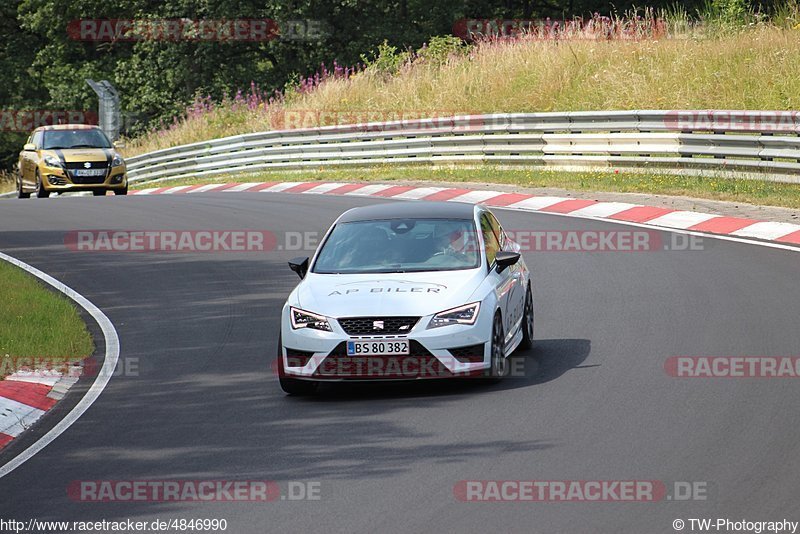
{"x": 41, "y": 192}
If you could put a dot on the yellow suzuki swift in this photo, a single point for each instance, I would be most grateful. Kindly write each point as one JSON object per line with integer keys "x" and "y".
{"x": 70, "y": 157}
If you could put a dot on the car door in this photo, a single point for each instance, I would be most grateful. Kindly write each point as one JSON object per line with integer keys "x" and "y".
{"x": 38, "y": 141}
{"x": 25, "y": 164}
{"x": 503, "y": 282}
{"x": 515, "y": 303}
{"x": 31, "y": 160}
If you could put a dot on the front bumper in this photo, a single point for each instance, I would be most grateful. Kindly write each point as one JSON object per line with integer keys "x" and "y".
{"x": 57, "y": 179}
{"x": 318, "y": 355}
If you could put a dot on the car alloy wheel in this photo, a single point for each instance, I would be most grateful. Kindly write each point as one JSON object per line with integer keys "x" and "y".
{"x": 527, "y": 321}
{"x": 499, "y": 362}
{"x": 41, "y": 192}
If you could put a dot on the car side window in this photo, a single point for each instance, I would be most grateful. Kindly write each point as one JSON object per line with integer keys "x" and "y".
{"x": 498, "y": 231}
{"x": 490, "y": 242}
{"x": 37, "y": 140}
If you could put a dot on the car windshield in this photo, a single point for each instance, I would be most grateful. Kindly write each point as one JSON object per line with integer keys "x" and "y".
{"x": 88, "y": 138}
{"x": 399, "y": 246}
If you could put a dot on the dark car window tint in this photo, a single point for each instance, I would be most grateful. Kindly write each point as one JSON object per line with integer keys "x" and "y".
{"x": 490, "y": 242}
{"x": 399, "y": 245}
{"x": 64, "y": 139}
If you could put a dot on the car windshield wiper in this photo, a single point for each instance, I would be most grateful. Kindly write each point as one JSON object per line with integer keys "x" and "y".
{"x": 84, "y": 146}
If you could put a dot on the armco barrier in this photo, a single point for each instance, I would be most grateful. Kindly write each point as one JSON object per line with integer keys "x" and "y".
{"x": 758, "y": 144}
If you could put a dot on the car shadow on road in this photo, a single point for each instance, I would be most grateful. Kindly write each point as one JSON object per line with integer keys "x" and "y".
{"x": 546, "y": 361}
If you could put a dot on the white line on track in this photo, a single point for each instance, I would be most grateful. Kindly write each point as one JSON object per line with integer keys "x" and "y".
{"x": 99, "y": 384}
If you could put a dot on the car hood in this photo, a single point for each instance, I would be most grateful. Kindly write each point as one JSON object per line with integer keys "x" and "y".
{"x": 79, "y": 155}
{"x": 413, "y": 294}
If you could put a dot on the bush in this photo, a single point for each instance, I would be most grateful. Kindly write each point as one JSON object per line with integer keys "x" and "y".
{"x": 387, "y": 60}
{"x": 441, "y": 49}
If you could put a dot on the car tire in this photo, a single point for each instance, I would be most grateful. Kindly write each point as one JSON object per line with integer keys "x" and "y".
{"x": 498, "y": 362}
{"x": 527, "y": 321}
{"x": 292, "y": 386}
{"x": 98, "y": 192}
{"x": 41, "y": 192}
{"x": 121, "y": 191}
{"x": 20, "y": 192}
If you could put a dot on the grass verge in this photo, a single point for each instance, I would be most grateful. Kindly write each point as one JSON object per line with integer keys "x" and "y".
{"x": 758, "y": 192}
{"x": 7, "y": 183}
{"x": 37, "y": 323}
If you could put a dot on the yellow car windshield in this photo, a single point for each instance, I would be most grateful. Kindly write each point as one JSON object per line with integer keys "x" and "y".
{"x": 65, "y": 139}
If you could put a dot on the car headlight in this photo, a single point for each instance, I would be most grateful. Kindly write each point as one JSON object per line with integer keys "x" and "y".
{"x": 466, "y": 314}
{"x": 117, "y": 161}
{"x": 52, "y": 161}
{"x": 304, "y": 319}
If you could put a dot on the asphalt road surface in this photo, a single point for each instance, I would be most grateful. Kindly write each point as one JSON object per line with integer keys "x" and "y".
{"x": 199, "y": 402}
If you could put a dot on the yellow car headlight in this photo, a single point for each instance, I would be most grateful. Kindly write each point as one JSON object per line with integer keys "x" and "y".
{"x": 52, "y": 161}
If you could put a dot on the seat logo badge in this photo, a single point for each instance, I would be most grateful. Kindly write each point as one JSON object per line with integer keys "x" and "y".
{"x": 377, "y": 325}
{"x": 87, "y": 165}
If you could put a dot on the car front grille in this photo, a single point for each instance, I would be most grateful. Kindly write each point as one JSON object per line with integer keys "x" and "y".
{"x": 420, "y": 363}
{"x": 73, "y": 166}
{"x": 377, "y": 326}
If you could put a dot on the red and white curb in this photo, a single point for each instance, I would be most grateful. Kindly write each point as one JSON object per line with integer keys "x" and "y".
{"x": 25, "y": 396}
{"x": 622, "y": 212}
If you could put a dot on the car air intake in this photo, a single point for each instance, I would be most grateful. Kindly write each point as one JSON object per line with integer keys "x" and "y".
{"x": 470, "y": 354}
{"x": 297, "y": 358}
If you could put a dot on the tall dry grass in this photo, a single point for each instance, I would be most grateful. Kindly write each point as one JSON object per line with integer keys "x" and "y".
{"x": 7, "y": 181}
{"x": 752, "y": 69}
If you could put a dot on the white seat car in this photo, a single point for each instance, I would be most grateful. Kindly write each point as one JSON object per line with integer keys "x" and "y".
{"x": 406, "y": 291}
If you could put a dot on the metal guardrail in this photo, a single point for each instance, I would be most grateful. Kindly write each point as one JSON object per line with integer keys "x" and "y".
{"x": 748, "y": 143}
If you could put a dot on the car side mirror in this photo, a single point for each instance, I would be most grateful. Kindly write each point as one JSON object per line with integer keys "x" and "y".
{"x": 118, "y": 144}
{"x": 300, "y": 266}
{"x": 505, "y": 259}
{"x": 29, "y": 147}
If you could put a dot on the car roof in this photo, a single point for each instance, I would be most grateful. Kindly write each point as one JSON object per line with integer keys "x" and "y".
{"x": 410, "y": 210}
{"x": 66, "y": 127}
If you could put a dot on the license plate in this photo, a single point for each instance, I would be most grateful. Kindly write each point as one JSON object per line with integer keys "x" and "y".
{"x": 378, "y": 347}
{"x": 89, "y": 172}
